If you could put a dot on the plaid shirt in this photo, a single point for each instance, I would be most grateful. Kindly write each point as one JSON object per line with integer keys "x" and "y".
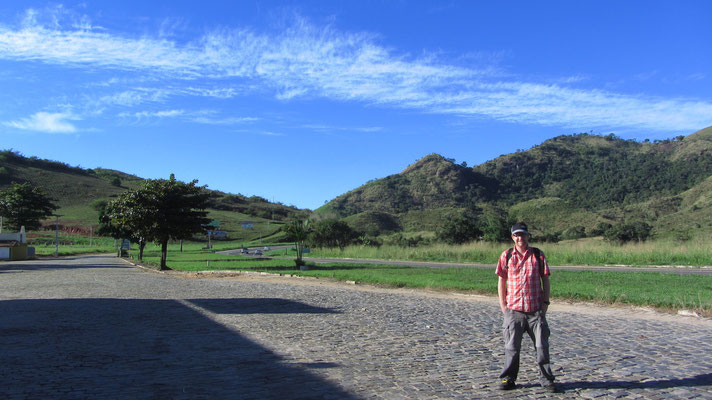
{"x": 523, "y": 275}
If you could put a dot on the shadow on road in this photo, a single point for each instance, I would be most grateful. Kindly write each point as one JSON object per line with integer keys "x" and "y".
{"x": 42, "y": 264}
{"x": 698, "y": 380}
{"x": 258, "y": 306}
{"x": 157, "y": 349}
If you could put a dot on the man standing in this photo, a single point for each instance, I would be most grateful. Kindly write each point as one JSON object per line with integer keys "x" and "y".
{"x": 523, "y": 290}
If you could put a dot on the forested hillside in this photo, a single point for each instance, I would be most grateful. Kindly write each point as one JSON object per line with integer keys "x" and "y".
{"x": 76, "y": 190}
{"x": 594, "y": 171}
{"x": 569, "y": 182}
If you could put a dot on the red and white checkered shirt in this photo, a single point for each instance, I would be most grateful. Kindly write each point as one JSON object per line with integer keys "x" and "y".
{"x": 523, "y": 277}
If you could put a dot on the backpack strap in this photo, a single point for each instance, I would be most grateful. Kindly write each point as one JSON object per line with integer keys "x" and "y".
{"x": 539, "y": 258}
{"x": 509, "y": 256}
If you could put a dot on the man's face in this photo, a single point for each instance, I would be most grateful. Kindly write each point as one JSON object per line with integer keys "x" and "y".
{"x": 521, "y": 239}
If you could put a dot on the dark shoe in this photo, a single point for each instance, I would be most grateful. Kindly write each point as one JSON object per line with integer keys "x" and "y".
{"x": 550, "y": 387}
{"x": 507, "y": 384}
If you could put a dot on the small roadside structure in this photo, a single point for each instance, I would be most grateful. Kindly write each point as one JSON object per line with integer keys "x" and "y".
{"x": 13, "y": 246}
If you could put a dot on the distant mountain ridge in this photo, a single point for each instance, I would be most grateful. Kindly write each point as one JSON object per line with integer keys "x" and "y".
{"x": 76, "y": 189}
{"x": 568, "y": 181}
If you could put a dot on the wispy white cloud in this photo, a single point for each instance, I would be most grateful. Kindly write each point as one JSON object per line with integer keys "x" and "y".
{"x": 331, "y": 128}
{"x": 223, "y": 121}
{"x": 46, "y": 122}
{"x": 307, "y": 61}
{"x": 153, "y": 114}
{"x": 135, "y": 97}
{"x": 207, "y": 117}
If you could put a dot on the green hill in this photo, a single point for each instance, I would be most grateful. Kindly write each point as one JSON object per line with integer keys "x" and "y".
{"x": 566, "y": 184}
{"x": 76, "y": 189}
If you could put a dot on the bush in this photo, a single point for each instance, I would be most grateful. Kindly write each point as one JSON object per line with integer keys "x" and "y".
{"x": 366, "y": 240}
{"x": 549, "y": 237}
{"x": 402, "y": 241}
{"x": 626, "y": 232}
{"x": 332, "y": 233}
{"x": 459, "y": 230}
{"x": 575, "y": 232}
{"x": 600, "y": 229}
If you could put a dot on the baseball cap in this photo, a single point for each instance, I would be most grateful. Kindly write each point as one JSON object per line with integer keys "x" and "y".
{"x": 519, "y": 227}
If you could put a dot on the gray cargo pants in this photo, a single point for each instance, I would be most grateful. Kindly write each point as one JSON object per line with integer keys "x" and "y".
{"x": 534, "y": 323}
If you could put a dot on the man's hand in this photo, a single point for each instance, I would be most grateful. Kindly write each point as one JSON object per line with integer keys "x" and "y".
{"x": 544, "y": 308}
{"x": 502, "y": 294}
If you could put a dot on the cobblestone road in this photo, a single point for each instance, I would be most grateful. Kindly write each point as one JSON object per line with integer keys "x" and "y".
{"x": 96, "y": 328}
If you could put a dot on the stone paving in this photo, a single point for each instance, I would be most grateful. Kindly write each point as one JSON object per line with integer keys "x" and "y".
{"x": 96, "y": 328}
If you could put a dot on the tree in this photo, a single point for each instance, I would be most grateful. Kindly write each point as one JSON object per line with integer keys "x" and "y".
{"x": 574, "y": 232}
{"x": 159, "y": 211}
{"x": 458, "y": 230}
{"x": 106, "y": 227}
{"x": 128, "y": 217}
{"x": 626, "y": 232}
{"x": 25, "y": 205}
{"x": 332, "y": 233}
{"x": 495, "y": 226}
{"x": 178, "y": 213}
{"x": 298, "y": 231}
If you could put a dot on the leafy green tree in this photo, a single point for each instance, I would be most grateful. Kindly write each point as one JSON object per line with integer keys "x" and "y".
{"x": 25, "y": 205}
{"x": 298, "y": 231}
{"x": 574, "y": 232}
{"x": 600, "y": 229}
{"x": 332, "y": 233}
{"x": 626, "y": 232}
{"x": 178, "y": 211}
{"x": 495, "y": 225}
{"x": 461, "y": 229}
{"x": 129, "y": 216}
{"x": 106, "y": 227}
{"x": 159, "y": 211}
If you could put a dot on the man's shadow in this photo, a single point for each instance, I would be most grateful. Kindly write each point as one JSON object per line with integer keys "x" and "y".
{"x": 697, "y": 380}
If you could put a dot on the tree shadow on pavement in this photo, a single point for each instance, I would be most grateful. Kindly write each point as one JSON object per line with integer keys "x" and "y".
{"x": 57, "y": 264}
{"x": 258, "y": 306}
{"x": 147, "y": 349}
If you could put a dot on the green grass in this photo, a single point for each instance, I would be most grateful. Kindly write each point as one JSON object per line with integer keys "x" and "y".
{"x": 73, "y": 250}
{"x": 44, "y": 244}
{"x": 665, "y": 291}
{"x": 584, "y": 252}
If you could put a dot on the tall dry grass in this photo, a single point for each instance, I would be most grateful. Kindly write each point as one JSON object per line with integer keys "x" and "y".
{"x": 584, "y": 252}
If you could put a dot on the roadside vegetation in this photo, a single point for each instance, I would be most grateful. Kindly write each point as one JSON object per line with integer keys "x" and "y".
{"x": 649, "y": 204}
{"x": 664, "y": 291}
{"x": 592, "y": 251}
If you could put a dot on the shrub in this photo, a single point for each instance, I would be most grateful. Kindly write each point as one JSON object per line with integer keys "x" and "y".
{"x": 574, "y": 232}
{"x": 459, "y": 230}
{"x": 626, "y": 232}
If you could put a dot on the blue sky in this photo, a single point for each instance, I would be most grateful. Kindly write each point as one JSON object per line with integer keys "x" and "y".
{"x": 301, "y": 101}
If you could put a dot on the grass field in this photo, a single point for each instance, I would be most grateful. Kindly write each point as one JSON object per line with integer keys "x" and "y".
{"x": 584, "y": 252}
{"x": 664, "y": 291}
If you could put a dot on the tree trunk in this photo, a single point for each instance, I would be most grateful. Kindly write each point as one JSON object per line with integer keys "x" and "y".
{"x": 299, "y": 246}
{"x": 164, "y": 254}
{"x": 141, "y": 245}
